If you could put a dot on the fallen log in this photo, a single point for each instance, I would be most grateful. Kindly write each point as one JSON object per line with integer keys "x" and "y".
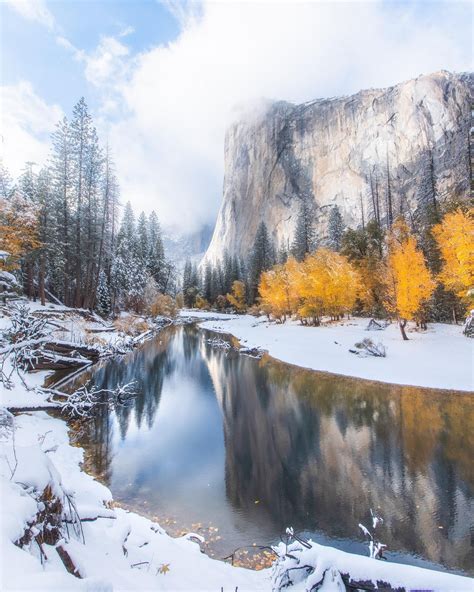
{"x": 60, "y": 347}
{"x": 43, "y": 360}
{"x": 72, "y": 349}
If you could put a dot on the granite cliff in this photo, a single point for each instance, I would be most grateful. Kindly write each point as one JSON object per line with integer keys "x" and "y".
{"x": 376, "y": 153}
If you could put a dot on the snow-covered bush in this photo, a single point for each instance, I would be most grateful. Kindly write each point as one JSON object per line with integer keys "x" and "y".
{"x": 468, "y": 330}
{"x": 25, "y": 326}
{"x": 82, "y": 402}
{"x": 374, "y": 325}
{"x": 367, "y": 347}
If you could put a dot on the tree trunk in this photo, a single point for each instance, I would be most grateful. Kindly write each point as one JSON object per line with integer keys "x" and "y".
{"x": 402, "y": 324}
{"x": 41, "y": 275}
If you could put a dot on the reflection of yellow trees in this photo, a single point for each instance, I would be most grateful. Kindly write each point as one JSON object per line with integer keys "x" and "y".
{"x": 458, "y": 412}
{"x": 430, "y": 420}
{"x": 421, "y": 425}
{"x": 427, "y": 419}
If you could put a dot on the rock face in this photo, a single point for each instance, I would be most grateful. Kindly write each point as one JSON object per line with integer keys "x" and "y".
{"x": 376, "y": 153}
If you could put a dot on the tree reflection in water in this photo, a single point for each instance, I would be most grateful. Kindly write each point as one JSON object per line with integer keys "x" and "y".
{"x": 283, "y": 446}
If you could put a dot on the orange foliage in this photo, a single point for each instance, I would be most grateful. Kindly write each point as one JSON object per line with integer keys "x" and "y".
{"x": 278, "y": 291}
{"x": 18, "y": 229}
{"x": 409, "y": 281}
{"x": 237, "y": 298}
{"x": 455, "y": 238}
{"x": 325, "y": 283}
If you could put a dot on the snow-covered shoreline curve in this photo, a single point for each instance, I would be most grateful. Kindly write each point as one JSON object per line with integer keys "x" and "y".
{"x": 438, "y": 358}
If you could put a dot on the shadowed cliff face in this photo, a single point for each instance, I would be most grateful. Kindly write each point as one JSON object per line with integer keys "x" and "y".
{"x": 410, "y": 141}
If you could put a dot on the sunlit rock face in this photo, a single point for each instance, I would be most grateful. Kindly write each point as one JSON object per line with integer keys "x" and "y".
{"x": 386, "y": 151}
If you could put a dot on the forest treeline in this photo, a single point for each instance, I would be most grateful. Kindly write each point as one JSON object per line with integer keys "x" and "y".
{"x": 379, "y": 270}
{"x": 62, "y": 235}
{"x": 60, "y": 231}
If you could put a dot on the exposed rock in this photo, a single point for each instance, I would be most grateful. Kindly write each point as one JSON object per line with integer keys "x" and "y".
{"x": 377, "y": 152}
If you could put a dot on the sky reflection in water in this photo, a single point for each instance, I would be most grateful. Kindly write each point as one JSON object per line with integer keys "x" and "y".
{"x": 250, "y": 447}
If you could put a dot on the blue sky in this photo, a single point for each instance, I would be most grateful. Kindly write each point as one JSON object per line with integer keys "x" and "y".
{"x": 164, "y": 80}
{"x": 30, "y": 51}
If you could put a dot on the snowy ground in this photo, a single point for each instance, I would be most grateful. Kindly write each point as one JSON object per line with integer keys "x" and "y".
{"x": 440, "y": 357}
{"x": 121, "y": 550}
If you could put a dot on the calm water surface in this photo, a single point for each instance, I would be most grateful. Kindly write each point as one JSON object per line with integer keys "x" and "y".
{"x": 238, "y": 449}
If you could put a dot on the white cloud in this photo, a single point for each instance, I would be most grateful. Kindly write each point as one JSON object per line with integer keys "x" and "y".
{"x": 179, "y": 98}
{"x": 106, "y": 63}
{"x": 165, "y": 110}
{"x": 26, "y": 123}
{"x": 33, "y": 10}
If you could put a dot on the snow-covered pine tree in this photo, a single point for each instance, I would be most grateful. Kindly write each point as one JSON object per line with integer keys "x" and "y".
{"x": 6, "y": 183}
{"x": 81, "y": 130}
{"x": 304, "y": 241}
{"x": 335, "y": 229}
{"x": 125, "y": 254}
{"x": 156, "y": 265}
{"x": 142, "y": 239}
{"x": 207, "y": 282}
{"x": 103, "y": 302}
{"x": 60, "y": 257}
{"x": 46, "y": 229}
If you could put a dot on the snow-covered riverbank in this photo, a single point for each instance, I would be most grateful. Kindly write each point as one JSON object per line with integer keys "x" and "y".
{"x": 440, "y": 357}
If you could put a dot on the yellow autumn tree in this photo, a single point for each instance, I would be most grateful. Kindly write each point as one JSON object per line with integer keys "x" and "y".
{"x": 18, "y": 230}
{"x": 455, "y": 239}
{"x": 201, "y": 303}
{"x": 277, "y": 289}
{"x": 328, "y": 284}
{"x": 237, "y": 297}
{"x": 408, "y": 279}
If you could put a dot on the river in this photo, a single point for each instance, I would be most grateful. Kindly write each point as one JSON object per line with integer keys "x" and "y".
{"x": 237, "y": 449}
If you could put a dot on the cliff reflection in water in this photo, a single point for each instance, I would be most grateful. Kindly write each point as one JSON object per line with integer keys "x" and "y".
{"x": 264, "y": 445}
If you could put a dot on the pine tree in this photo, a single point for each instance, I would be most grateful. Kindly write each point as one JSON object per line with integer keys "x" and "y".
{"x": 80, "y": 139}
{"x": 103, "y": 302}
{"x": 207, "y": 282}
{"x": 46, "y": 228}
{"x": 6, "y": 184}
{"x": 335, "y": 229}
{"x": 60, "y": 259}
{"x": 304, "y": 241}
{"x": 156, "y": 265}
{"x": 262, "y": 257}
{"x": 143, "y": 246}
